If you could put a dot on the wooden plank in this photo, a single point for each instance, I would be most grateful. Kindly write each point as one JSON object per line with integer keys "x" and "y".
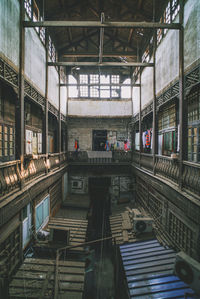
{"x": 126, "y": 225}
{"x": 36, "y": 284}
{"x": 30, "y": 293}
{"x": 67, "y": 220}
{"x": 62, "y": 269}
{"x": 42, "y": 276}
{"x": 69, "y": 227}
{"x": 45, "y": 284}
{"x": 52, "y": 262}
{"x": 125, "y": 236}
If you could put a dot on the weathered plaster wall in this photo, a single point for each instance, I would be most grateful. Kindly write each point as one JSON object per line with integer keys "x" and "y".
{"x": 92, "y": 108}
{"x": 35, "y": 59}
{"x": 9, "y": 30}
{"x": 167, "y": 56}
{"x": 63, "y": 100}
{"x": 81, "y": 129}
{"x": 53, "y": 95}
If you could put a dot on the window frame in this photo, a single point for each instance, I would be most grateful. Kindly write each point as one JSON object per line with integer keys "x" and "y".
{"x": 44, "y": 219}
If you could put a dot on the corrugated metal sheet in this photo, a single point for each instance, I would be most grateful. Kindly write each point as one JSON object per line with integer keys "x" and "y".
{"x": 148, "y": 268}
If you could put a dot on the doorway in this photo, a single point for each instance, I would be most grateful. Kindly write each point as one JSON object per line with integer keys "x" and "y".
{"x": 98, "y": 140}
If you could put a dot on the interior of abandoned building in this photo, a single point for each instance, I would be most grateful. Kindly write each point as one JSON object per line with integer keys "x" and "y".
{"x": 99, "y": 149}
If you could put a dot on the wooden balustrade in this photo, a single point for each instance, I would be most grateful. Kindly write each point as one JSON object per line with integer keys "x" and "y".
{"x": 191, "y": 177}
{"x": 167, "y": 167}
{"x": 35, "y": 167}
{"x": 12, "y": 175}
{"x": 9, "y": 176}
{"x": 147, "y": 161}
{"x": 100, "y": 157}
{"x": 80, "y": 156}
{"x": 136, "y": 157}
{"x": 122, "y": 156}
{"x": 54, "y": 160}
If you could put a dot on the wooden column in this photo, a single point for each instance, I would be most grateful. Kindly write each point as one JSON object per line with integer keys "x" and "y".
{"x": 59, "y": 113}
{"x": 20, "y": 128}
{"x": 182, "y": 104}
{"x": 154, "y": 135}
{"x": 140, "y": 116}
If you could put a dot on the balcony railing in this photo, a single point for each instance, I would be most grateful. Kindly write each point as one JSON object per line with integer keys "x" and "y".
{"x": 146, "y": 161}
{"x": 9, "y": 176}
{"x": 12, "y": 174}
{"x": 191, "y": 177}
{"x": 167, "y": 167}
{"x": 99, "y": 157}
{"x": 136, "y": 157}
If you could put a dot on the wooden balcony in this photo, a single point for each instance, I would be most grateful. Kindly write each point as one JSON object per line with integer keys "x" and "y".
{"x": 100, "y": 157}
{"x": 167, "y": 167}
{"x": 13, "y": 175}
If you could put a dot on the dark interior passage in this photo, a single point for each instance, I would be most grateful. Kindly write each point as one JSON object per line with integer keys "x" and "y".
{"x": 99, "y": 140}
{"x": 99, "y": 228}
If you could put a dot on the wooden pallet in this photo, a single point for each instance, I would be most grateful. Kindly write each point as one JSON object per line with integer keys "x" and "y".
{"x": 77, "y": 228}
{"x": 122, "y": 228}
{"x": 36, "y": 279}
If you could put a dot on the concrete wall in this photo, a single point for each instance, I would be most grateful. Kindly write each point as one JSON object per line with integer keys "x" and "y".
{"x": 167, "y": 56}
{"x": 9, "y": 30}
{"x": 81, "y": 129}
{"x": 92, "y": 108}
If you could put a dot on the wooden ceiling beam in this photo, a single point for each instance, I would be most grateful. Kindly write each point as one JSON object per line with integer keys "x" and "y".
{"x": 76, "y": 41}
{"x": 89, "y": 63}
{"x": 123, "y": 43}
{"x": 93, "y": 54}
{"x": 98, "y": 24}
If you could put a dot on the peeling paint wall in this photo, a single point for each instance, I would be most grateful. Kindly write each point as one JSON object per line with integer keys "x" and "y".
{"x": 167, "y": 56}
{"x": 63, "y": 100}
{"x": 9, "y": 30}
{"x": 102, "y": 108}
{"x": 82, "y": 129}
{"x": 35, "y": 58}
{"x": 53, "y": 95}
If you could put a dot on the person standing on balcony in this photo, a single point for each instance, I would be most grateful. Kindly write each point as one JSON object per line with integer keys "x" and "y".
{"x": 107, "y": 146}
{"x": 76, "y": 145}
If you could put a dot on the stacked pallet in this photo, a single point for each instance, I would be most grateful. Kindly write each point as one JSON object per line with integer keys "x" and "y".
{"x": 77, "y": 228}
{"x": 122, "y": 228}
{"x": 36, "y": 279}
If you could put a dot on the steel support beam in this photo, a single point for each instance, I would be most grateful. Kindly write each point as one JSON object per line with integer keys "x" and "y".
{"x": 46, "y": 118}
{"x": 95, "y": 84}
{"x": 20, "y": 128}
{"x": 98, "y": 24}
{"x": 140, "y": 116}
{"x": 89, "y": 63}
{"x": 59, "y": 114}
{"x": 182, "y": 104}
{"x": 101, "y": 39}
{"x": 154, "y": 135}
{"x": 93, "y": 55}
